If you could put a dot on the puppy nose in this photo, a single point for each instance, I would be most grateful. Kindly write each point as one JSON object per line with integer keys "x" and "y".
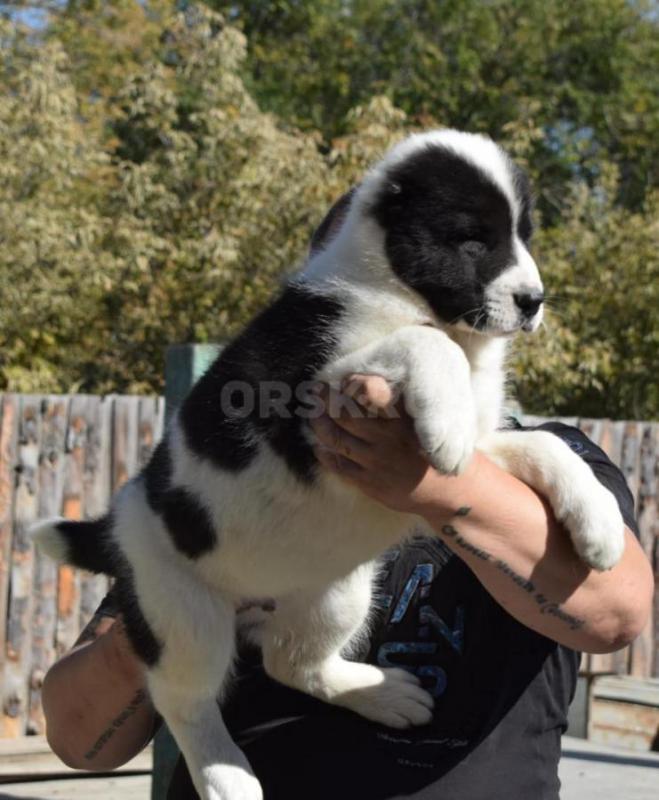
{"x": 529, "y": 302}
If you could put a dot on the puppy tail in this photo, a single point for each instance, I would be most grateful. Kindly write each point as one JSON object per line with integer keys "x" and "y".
{"x": 85, "y": 544}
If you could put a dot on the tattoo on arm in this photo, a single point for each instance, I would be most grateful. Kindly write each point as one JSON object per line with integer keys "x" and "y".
{"x": 127, "y": 713}
{"x": 545, "y": 605}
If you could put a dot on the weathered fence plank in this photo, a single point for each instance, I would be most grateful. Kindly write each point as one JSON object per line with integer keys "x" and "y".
{"x": 648, "y": 520}
{"x": 10, "y": 411}
{"x": 68, "y": 595}
{"x": 54, "y": 418}
{"x": 149, "y": 428}
{"x": 19, "y": 621}
{"x": 612, "y": 436}
{"x": 96, "y": 478}
{"x": 124, "y": 439}
{"x": 642, "y": 649}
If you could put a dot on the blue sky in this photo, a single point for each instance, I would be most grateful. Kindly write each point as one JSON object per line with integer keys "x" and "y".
{"x": 32, "y": 16}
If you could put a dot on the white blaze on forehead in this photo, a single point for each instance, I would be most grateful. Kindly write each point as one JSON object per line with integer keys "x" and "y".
{"x": 520, "y": 278}
{"x": 526, "y": 264}
{"x": 473, "y": 148}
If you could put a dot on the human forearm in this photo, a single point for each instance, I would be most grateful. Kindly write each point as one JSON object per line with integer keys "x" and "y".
{"x": 98, "y": 713}
{"x": 503, "y": 529}
{"x": 510, "y": 538}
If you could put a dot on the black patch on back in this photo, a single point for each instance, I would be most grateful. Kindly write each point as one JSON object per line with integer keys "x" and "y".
{"x": 158, "y": 476}
{"x": 283, "y": 347}
{"x": 448, "y": 231}
{"x": 189, "y": 523}
{"x": 89, "y": 544}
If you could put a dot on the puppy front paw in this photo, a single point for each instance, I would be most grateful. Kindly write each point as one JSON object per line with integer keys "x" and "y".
{"x": 448, "y": 448}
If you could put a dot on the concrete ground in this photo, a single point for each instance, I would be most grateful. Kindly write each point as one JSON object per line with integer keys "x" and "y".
{"x": 595, "y": 772}
{"x": 121, "y": 787}
{"x": 588, "y": 772}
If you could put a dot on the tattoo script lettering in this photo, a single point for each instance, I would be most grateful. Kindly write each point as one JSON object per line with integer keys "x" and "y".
{"x": 116, "y": 723}
{"x": 545, "y": 606}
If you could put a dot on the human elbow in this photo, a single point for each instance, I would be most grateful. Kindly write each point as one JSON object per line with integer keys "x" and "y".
{"x": 626, "y": 619}
{"x": 69, "y": 753}
{"x": 64, "y": 720}
{"x": 63, "y": 751}
{"x": 616, "y": 638}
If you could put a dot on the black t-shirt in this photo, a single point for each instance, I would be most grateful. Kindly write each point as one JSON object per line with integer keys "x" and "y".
{"x": 501, "y": 692}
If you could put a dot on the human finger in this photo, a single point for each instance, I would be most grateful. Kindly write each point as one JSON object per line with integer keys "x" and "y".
{"x": 373, "y": 392}
{"x": 336, "y": 439}
{"x": 345, "y": 467}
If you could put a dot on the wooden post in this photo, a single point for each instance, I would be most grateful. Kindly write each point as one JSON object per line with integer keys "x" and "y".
{"x": 185, "y": 364}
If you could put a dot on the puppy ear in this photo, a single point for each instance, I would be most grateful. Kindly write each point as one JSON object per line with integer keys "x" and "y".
{"x": 332, "y": 222}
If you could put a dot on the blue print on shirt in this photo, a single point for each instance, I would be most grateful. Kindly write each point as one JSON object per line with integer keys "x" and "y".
{"x": 455, "y": 635}
{"x": 576, "y": 446}
{"x": 392, "y": 654}
{"x": 422, "y": 575}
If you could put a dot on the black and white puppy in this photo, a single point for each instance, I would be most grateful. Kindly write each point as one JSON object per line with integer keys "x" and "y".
{"x": 424, "y": 284}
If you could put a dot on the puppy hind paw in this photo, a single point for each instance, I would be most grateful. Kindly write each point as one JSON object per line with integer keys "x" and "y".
{"x": 225, "y": 782}
{"x": 398, "y": 701}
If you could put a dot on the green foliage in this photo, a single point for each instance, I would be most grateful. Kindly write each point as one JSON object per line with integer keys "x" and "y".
{"x": 588, "y": 66}
{"x": 597, "y": 355}
{"x": 51, "y": 265}
{"x": 147, "y": 198}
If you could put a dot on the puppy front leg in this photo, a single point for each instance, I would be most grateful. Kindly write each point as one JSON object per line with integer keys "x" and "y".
{"x": 434, "y": 375}
{"x": 587, "y": 509}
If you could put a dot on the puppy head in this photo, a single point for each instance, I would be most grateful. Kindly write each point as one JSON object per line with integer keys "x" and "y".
{"x": 453, "y": 216}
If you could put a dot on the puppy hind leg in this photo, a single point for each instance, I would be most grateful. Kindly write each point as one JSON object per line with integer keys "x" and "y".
{"x": 302, "y": 646}
{"x": 185, "y": 685}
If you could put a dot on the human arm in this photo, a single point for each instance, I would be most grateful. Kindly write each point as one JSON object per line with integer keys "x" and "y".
{"x": 504, "y": 530}
{"x": 98, "y": 712}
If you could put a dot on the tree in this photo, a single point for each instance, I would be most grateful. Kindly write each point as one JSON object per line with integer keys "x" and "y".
{"x": 51, "y": 263}
{"x": 597, "y": 354}
{"x": 591, "y": 66}
{"x": 150, "y": 199}
{"x": 149, "y": 228}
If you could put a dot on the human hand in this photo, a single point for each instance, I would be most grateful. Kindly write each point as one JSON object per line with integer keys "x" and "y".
{"x": 377, "y": 450}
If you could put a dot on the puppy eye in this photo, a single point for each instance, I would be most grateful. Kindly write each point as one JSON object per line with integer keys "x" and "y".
{"x": 473, "y": 247}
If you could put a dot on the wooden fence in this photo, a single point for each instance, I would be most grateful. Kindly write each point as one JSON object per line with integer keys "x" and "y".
{"x": 67, "y": 455}
{"x": 58, "y": 455}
